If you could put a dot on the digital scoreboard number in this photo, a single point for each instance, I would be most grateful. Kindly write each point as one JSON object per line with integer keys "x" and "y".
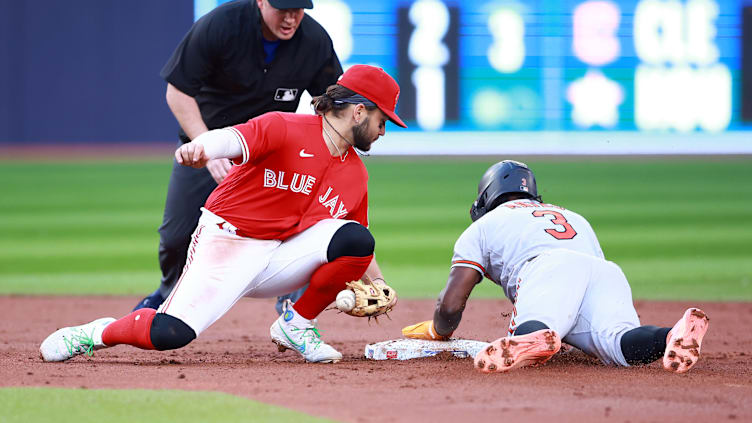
{"x": 647, "y": 65}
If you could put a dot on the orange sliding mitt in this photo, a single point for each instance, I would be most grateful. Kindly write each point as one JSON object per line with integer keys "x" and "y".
{"x": 423, "y": 330}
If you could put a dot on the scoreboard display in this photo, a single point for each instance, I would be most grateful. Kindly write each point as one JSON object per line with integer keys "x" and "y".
{"x": 631, "y": 65}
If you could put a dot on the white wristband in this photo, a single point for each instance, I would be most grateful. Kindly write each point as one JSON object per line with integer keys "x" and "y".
{"x": 220, "y": 143}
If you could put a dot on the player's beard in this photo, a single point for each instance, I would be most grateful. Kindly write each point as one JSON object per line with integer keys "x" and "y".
{"x": 361, "y": 141}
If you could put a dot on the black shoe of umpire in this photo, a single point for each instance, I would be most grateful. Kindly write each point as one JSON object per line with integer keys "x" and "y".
{"x": 152, "y": 301}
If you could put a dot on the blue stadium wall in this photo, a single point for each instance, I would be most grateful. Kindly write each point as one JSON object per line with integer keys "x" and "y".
{"x": 87, "y": 70}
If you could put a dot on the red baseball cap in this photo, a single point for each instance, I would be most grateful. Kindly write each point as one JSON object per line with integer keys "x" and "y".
{"x": 375, "y": 85}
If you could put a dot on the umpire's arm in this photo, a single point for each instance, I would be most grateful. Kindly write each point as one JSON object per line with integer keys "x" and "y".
{"x": 452, "y": 300}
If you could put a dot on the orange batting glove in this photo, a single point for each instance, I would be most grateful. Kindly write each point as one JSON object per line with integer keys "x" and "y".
{"x": 423, "y": 330}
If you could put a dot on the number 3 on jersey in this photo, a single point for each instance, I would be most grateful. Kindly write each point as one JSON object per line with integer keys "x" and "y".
{"x": 557, "y": 219}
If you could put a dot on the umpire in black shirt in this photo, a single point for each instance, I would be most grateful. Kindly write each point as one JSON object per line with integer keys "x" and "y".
{"x": 239, "y": 61}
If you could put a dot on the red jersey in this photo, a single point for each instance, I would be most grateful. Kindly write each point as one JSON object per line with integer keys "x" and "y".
{"x": 286, "y": 180}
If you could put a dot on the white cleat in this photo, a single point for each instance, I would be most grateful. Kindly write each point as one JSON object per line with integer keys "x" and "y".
{"x": 69, "y": 342}
{"x": 303, "y": 338}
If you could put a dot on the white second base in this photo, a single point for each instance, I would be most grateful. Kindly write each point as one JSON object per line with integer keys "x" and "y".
{"x": 406, "y": 349}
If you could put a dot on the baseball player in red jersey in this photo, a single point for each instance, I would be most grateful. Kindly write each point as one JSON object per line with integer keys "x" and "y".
{"x": 293, "y": 210}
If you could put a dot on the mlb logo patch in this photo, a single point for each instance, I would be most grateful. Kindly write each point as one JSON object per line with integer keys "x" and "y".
{"x": 286, "y": 94}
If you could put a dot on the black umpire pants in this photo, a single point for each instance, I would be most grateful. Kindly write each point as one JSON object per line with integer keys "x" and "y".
{"x": 186, "y": 194}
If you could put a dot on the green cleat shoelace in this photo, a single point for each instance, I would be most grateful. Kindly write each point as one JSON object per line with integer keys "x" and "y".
{"x": 312, "y": 334}
{"x": 80, "y": 343}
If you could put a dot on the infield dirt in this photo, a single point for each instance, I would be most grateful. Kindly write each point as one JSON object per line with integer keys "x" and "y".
{"x": 236, "y": 356}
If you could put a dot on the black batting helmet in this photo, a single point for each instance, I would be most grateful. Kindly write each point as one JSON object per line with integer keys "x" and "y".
{"x": 503, "y": 178}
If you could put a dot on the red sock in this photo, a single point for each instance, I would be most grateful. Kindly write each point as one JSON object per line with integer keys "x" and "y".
{"x": 327, "y": 281}
{"x": 133, "y": 329}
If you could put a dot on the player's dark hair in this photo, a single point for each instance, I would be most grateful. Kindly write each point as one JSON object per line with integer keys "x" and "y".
{"x": 331, "y": 100}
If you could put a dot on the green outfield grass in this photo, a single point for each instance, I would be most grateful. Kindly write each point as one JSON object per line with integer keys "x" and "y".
{"x": 24, "y": 405}
{"x": 680, "y": 228}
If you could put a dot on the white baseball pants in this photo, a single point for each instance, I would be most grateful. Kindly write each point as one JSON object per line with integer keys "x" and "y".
{"x": 223, "y": 267}
{"x": 585, "y": 299}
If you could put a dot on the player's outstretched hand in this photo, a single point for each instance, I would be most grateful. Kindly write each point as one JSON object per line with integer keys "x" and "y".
{"x": 191, "y": 154}
{"x": 423, "y": 330}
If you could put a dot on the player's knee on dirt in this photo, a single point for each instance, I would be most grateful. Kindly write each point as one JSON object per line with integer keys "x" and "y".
{"x": 529, "y": 327}
{"x": 352, "y": 239}
{"x": 169, "y": 333}
{"x": 644, "y": 344}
